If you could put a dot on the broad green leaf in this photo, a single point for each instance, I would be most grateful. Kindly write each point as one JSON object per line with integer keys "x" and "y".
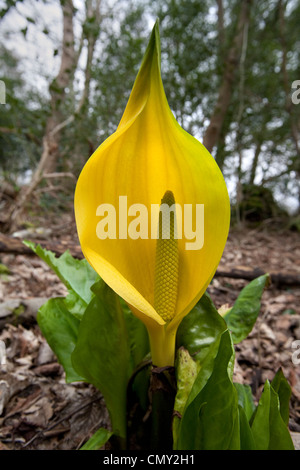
{"x": 60, "y": 328}
{"x": 102, "y": 352}
{"x": 186, "y": 373}
{"x": 280, "y": 438}
{"x": 260, "y": 426}
{"x": 77, "y": 275}
{"x": 245, "y": 399}
{"x": 211, "y": 419}
{"x": 137, "y": 335}
{"x": 283, "y": 389}
{"x": 139, "y": 349}
{"x": 242, "y": 316}
{"x": 206, "y": 370}
{"x": 139, "y": 383}
{"x": 268, "y": 428}
{"x": 246, "y": 437}
{"x": 97, "y": 440}
{"x": 200, "y": 328}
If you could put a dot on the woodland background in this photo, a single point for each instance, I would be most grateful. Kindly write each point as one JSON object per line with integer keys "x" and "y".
{"x": 228, "y": 68}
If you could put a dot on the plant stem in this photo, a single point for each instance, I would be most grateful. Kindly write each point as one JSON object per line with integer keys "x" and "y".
{"x": 118, "y": 443}
{"x": 162, "y": 392}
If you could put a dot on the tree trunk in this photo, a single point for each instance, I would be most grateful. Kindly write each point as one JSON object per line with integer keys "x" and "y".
{"x": 58, "y": 88}
{"x": 295, "y": 127}
{"x": 51, "y": 137}
{"x": 221, "y": 30}
{"x": 232, "y": 60}
{"x": 286, "y": 80}
{"x": 56, "y": 121}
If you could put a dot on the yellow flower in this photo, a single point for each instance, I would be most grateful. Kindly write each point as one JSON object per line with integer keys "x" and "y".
{"x": 151, "y": 161}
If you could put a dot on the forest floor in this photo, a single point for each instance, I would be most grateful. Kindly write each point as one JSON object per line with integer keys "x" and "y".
{"x": 38, "y": 410}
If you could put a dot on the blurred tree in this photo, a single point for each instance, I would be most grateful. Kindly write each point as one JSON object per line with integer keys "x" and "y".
{"x": 228, "y": 68}
{"x": 6, "y": 6}
{"x": 59, "y": 89}
{"x": 268, "y": 131}
{"x": 117, "y": 64}
{"x": 21, "y": 120}
{"x": 189, "y": 59}
{"x": 117, "y": 56}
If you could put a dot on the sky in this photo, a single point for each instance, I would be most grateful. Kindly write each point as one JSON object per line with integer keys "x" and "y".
{"x": 34, "y": 48}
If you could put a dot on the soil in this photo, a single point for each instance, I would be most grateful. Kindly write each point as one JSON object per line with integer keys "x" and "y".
{"x": 38, "y": 410}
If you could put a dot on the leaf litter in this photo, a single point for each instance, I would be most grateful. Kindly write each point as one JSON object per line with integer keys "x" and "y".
{"x": 39, "y": 410}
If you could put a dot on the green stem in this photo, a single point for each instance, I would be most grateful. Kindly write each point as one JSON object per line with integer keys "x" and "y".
{"x": 162, "y": 344}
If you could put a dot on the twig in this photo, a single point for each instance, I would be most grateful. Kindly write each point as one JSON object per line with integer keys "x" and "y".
{"x": 62, "y": 174}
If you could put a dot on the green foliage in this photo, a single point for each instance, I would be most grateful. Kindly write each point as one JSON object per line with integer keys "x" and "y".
{"x": 189, "y": 59}
{"x": 258, "y": 204}
{"x": 268, "y": 428}
{"x": 60, "y": 328}
{"x": 187, "y": 370}
{"x": 97, "y": 440}
{"x": 242, "y": 316}
{"x": 245, "y": 399}
{"x": 92, "y": 322}
{"x": 77, "y": 275}
{"x": 21, "y": 119}
{"x": 260, "y": 120}
{"x": 221, "y": 415}
{"x": 6, "y": 6}
{"x": 107, "y": 346}
{"x": 116, "y": 68}
{"x": 283, "y": 389}
{"x": 200, "y": 329}
{"x": 4, "y": 269}
{"x": 102, "y": 354}
{"x": 211, "y": 420}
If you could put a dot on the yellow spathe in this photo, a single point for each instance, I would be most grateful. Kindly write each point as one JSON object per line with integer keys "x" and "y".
{"x": 148, "y": 155}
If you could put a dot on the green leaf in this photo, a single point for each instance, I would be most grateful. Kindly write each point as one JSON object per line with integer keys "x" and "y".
{"x": 97, "y": 440}
{"x": 186, "y": 373}
{"x": 211, "y": 419}
{"x": 246, "y": 437}
{"x": 102, "y": 352}
{"x": 60, "y": 328}
{"x": 137, "y": 335}
{"x": 283, "y": 389}
{"x": 245, "y": 399}
{"x": 200, "y": 328}
{"x": 268, "y": 428}
{"x": 77, "y": 275}
{"x": 30, "y": 19}
{"x": 242, "y": 316}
